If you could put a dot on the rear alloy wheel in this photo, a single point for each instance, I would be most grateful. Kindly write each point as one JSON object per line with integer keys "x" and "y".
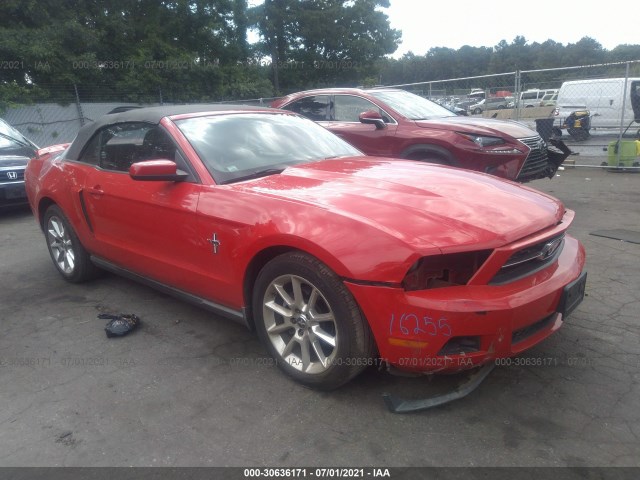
{"x": 67, "y": 253}
{"x": 309, "y": 322}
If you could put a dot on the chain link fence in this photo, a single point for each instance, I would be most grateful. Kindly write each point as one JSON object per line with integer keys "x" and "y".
{"x": 63, "y": 109}
{"x": 588, "y": 106}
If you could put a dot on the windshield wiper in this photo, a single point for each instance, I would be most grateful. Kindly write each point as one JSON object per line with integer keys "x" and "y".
{"x": 260, "y": 173}
{"x": 15, "y": 140}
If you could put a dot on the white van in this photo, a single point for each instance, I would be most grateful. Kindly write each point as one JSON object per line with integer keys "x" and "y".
{"x": 533, "y": 97}
{"x": 603, "y": 97}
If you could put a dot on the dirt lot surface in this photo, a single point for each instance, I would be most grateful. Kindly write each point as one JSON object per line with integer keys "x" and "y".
{"x": 190, "y": 389}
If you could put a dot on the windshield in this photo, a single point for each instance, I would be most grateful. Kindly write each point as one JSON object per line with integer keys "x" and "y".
{"x": 13, "y": 142}
{"x": 240, "y": 146}
{"x": 410, "y": 105}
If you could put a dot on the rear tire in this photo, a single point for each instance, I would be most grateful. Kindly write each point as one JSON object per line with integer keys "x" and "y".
{"x": 69, "y": 256}
{"x": 310, "y": 323}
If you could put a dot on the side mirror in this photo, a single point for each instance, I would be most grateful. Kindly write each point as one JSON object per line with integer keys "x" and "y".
{"x": 371, "y": 117}
{"x": 157, "y": 170}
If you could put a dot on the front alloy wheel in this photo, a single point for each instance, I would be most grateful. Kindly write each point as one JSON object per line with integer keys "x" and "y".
{"x": 309, "y": 322}
{"x": 300, "y": 324}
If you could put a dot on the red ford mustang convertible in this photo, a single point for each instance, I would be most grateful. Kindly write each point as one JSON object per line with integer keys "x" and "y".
{"x": 335, "y": 258}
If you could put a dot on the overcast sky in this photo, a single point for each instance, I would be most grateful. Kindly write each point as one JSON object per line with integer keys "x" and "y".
{"x": 426, "y": 24}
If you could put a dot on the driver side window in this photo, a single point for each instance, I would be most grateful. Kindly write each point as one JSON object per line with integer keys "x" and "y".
{"x": 117, "y": 147}
{"x": 347, "y": 108}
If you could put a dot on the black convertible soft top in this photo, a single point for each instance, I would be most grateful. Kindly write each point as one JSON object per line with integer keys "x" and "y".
{"x": 148, "y": 115}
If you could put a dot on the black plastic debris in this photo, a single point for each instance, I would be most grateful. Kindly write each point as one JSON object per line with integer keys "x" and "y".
{"x": 400, "y": 405}
{"x": 120, "y": 325}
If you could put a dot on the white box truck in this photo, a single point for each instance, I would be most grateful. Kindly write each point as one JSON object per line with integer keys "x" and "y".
{"x": 602, "y": 97}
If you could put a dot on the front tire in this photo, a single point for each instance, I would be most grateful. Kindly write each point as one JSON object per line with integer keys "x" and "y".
{"x": 310, "y": 323}
{"x": 69, "y": 256}
{"x": 428, "y": 158}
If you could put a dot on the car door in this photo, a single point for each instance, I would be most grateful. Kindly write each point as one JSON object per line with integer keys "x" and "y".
{"x": 147, "y": 227}
{"x": 344, "y": 113}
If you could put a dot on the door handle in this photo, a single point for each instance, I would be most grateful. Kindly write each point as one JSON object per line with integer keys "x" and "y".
{"x": 96, "y": 191}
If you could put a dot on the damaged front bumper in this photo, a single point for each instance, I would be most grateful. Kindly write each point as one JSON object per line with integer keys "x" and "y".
{"x": 458, "y": 328}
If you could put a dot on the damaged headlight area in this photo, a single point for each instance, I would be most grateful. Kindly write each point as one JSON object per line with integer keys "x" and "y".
{"x": 447, "y": 270}
{"x": 495, "y": 144}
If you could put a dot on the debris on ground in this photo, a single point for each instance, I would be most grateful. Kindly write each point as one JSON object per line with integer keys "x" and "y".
{"x": 120, "y": 325}
{"x": 399, "y": 405}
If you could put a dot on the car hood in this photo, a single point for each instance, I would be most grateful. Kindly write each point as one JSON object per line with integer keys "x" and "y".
{"x": 13, "y": 161}
{"x": 423, "y": 205}
{"x": 483, "y": 126}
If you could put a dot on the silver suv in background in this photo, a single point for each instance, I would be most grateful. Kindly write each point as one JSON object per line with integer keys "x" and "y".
{"x": 491, "y": 103}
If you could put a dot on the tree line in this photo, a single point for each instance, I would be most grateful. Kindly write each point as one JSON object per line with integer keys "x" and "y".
{"x": 446, "y": 63}
{"x": 197, "y": 50}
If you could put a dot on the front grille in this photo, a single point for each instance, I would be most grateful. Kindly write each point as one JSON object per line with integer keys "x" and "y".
{"x": 537, "y": 162}
{"x": 529, "y": 260}
{"x": 6, "y": 174}
{"x": 526, "y": 332}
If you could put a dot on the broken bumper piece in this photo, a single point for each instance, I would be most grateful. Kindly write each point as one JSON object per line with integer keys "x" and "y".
{"x": 399, "y": 405}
